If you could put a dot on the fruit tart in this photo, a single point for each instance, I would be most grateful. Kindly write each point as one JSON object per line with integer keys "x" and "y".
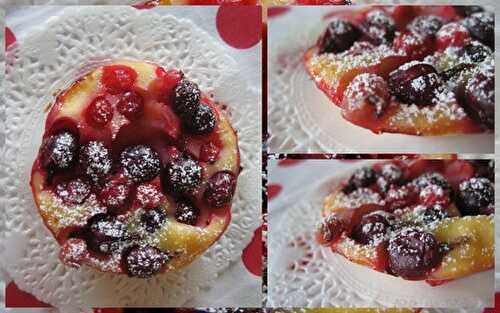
{"x": 136, "y": 171}
{"x": 417, "y": 70}
{"x": 429, "y": 220}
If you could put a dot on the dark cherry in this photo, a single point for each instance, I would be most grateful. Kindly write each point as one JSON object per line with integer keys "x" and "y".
{"x": 372, "y": 229}
{"x": 362, "y": 177}
{"x": 115, "y": 193}
{"x": 484, "y": 168}
{"x": 467, "y": 10}
{"x": 474, "y": 52}
{"x": 186, "y": 212}
{"x": 187, "y": 97}
{"x": 413, "y": 253}
{"x": 131, "y": 105}
{"x": 220, "y": 189}
{"x": 104, "y": 233}
{"x": 399, "y": 197}
{"x": 182, "y": 176}
{"x": 200, "y": 122}
{"x": 330, "y": 229}
{"x": 416, "y": 84}
{"x": 427, "y": 25}
{"x": 99, "y": 112}
{"x": 479, "y": 98}
{"x": 95, "y": 160}
{"x": 153, "y": 218}
{"x": 481, "y": 26}
{"x": 140, "y": 162}
{"x": 474, "y": 195}
{"x": 144, "y": 261}
{"x": 59, "y": 151}
{"x": 432, "y": 178}
{"x": 73, "y": 192}
{"x": 390, "y": 174}
{"x": 339, "y": 36}
{"x": 380, "y": 27}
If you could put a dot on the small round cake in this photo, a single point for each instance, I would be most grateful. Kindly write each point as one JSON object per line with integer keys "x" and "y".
{"x": 136, "y": 171}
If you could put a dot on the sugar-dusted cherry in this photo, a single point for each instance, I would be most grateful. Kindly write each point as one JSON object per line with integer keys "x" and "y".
{"x": 140, "y": 162}
{"x": 413, "y": 253}
{"x": 339, "y": 36}
{"x": 182, "y": 176}
{"x": 131, "y": 104}
{"x": 95, "y": 160}
{"x": 201, "y": 121}
{"x": 475, "y": 195}
{"x": 373, "y": 228}
{"x": 220, "y": 189}
{"x": 118, "y": 78}
{"x": 187, "y": 97}
{"x": 73, "y": 192}
{"x": 379, "y": 26}
{"x": 144, "y": 261}
{"x": 104, "y": 233}
{"x": 481, "y": 26}
{"x": 416, "y": 83}
{"x": 59, "y": 151}
{"x": 186, "y": 212}
{"x": 99, "y": 112}
{"x": 153, "y": 218}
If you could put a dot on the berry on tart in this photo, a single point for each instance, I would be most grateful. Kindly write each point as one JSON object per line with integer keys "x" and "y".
{"x": 419, "y": 71}
{"x": 432, "y": 220}
{"x": 136, "y": 171}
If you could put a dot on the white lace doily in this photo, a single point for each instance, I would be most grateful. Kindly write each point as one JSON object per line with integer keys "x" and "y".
{"x": 304, "y": 274}
{"x": 53, "y": 56}
{"x": 302, "y": 119}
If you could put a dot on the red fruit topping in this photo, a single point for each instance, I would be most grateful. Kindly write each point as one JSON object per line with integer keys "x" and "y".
{"x": 99, "y": 112}
{"x": 390, "y": 174}
{"x": 330, "y": 229}
{"x": 144, "y": 261}
{"x": 118, "y": 78}
{"x": 182, "y": 176}
{"x": 104, "y": 233}
{"x": 451, "y": 35}
{"x": 404, "y": 14}
{"x": 140, "y": 162}
{"x": 209, "y": 152}
{"x": 362, "y": 177}
{"x": 148, "y": 196}
{"x": 429, "y": 179}
{"x": 59, "y": 151}
{"x": 474, "y": 52}
{"x": 220, "y": 189}
{"x": 430, "y": 214}
{"x": 73, "y": 252}
{"x": 412, "y": 253}
{"x": 434, "y": 194}
{"x": 339, "y": 36}
{"x": 186, "y": 213}
{"x": 415, "y": 83}
{"x": 95, "y": 160}
{"x": 416, "y": 46}
{"x": 164, "y": 85}
{"x": 115, "y": 193}
{"x": 401, "y": 197}
{"x": 152, "y": 219}
{"x": 131, "y": 105}
{"x": 74, "y": 192}
{"x": 373, "y": 228}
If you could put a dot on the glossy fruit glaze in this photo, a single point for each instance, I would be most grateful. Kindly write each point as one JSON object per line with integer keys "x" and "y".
{"x": 136, "y": 170}
{"x": 429, "y": 220}
{"x": 419, "y": 70}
